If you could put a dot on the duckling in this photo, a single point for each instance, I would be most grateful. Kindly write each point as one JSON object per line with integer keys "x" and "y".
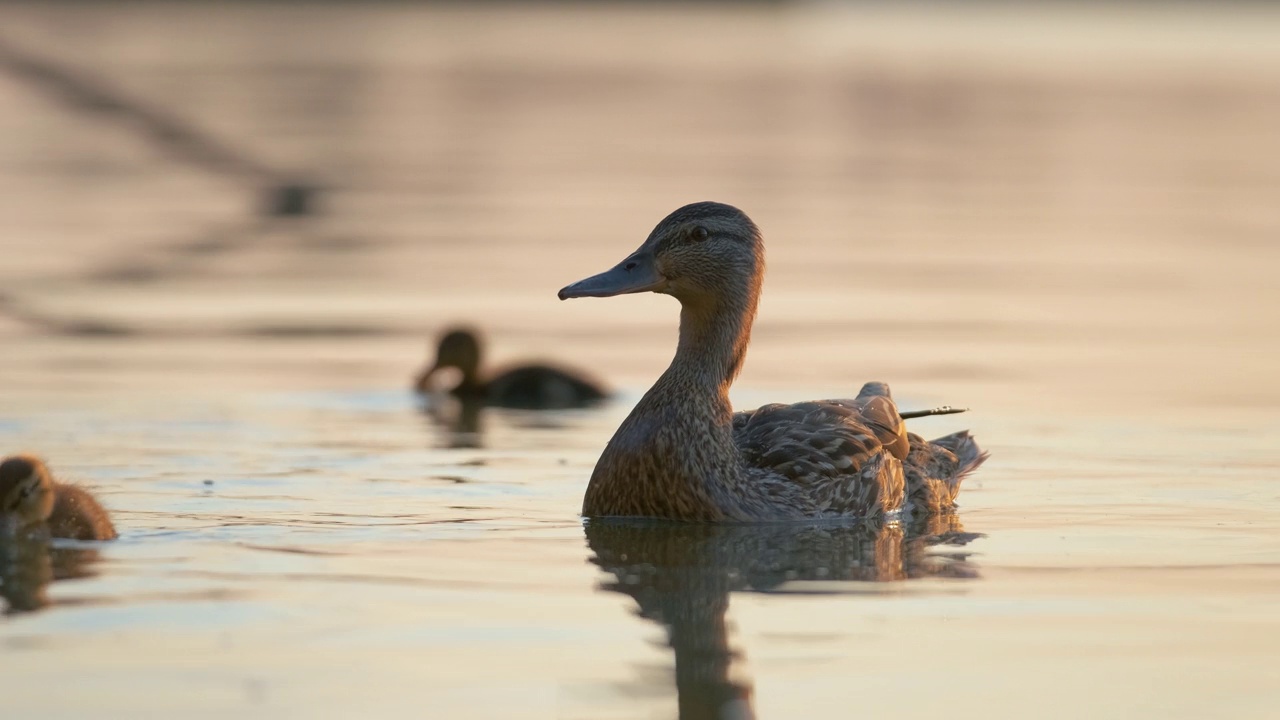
{"x": 683, "y": 454}
{"x": 29, "y": 497}
{"x": 530, "y": 387}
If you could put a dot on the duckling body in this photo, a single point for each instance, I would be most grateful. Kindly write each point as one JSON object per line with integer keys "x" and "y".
{"x": 530, "y": 387}
{"x": 78, "y": 515}
{"x": 30, "y": 498}
{"x": 683, "y": 453}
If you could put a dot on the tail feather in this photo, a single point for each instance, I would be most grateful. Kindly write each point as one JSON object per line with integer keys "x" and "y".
{"x": 935, "y": 469}
{"x": 969, "y": 456}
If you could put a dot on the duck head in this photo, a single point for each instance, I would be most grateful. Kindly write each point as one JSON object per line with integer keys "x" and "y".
{"x": 700, "y": 254}
{"x": 26, "y": 493}
{"x": 459, "y": 348}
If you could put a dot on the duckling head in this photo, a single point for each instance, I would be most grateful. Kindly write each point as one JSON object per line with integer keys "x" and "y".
{"x": 701, "y": 254}
{"x": 26, "y": 493}
{"x": 459, "y": 348}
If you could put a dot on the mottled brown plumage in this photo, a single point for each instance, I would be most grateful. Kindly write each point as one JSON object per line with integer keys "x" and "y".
{"x": 683, "y": 454}
{"x": 30, "y": 499}
{"x": 530, "y": 387}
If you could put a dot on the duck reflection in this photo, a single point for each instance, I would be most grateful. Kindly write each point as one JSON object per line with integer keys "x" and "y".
{"x": 459, "y": 421}
{"x": 29, "y": 562}
{"x": 681, "y": 575}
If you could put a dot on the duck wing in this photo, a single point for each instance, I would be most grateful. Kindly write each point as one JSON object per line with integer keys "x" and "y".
{"x": 846, "y": 454}
{"x": 879, "y": 413}
{"x": 854, "y": 456}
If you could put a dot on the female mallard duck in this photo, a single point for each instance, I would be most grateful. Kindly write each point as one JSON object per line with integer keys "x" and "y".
{"x": 29, "y": 498}
{"x": 531, "y": 387}
{"x": 683, "y": 454}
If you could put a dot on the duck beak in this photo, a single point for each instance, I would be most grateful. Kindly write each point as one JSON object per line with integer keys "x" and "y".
{"x": 423, "y": 383}
{"x": 638, "y": 273}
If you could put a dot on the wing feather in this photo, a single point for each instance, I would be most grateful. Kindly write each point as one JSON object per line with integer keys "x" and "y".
{"x": 828, "y": 448}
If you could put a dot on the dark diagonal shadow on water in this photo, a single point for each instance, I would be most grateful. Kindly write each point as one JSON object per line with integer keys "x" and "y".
{"x": 681, "y": 576}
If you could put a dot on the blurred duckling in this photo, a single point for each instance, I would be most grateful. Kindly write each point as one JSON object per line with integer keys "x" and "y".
{"x": 29, "y": 497}
{"x": 529, "y": 387}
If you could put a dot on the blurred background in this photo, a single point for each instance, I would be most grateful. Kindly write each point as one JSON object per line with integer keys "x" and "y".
{"x": 232, "y": 230}
{"x": 1071, "y": 199}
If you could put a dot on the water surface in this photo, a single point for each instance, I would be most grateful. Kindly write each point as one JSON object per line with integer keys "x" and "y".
{"x": 1080, "y": 249}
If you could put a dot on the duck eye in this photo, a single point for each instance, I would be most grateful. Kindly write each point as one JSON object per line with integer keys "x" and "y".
{"x": 700, "y": 233}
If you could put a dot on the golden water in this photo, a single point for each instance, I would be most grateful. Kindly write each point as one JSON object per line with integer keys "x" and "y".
{"x": 1065, "y": 219}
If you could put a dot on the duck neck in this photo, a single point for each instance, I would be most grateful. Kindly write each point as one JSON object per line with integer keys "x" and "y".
{"x": 470, "y": 382}
{"x": 713, "y": 344}
{"x": 693, "y": 396}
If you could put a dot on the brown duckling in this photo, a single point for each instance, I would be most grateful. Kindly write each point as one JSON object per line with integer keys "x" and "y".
{"x": 530, "y": 387}
{"x": 30, "y": 497}
{"x": 683, "y": 454}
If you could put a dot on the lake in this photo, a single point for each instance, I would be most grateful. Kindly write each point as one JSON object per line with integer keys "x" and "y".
{"x": 1063, "y": 218}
